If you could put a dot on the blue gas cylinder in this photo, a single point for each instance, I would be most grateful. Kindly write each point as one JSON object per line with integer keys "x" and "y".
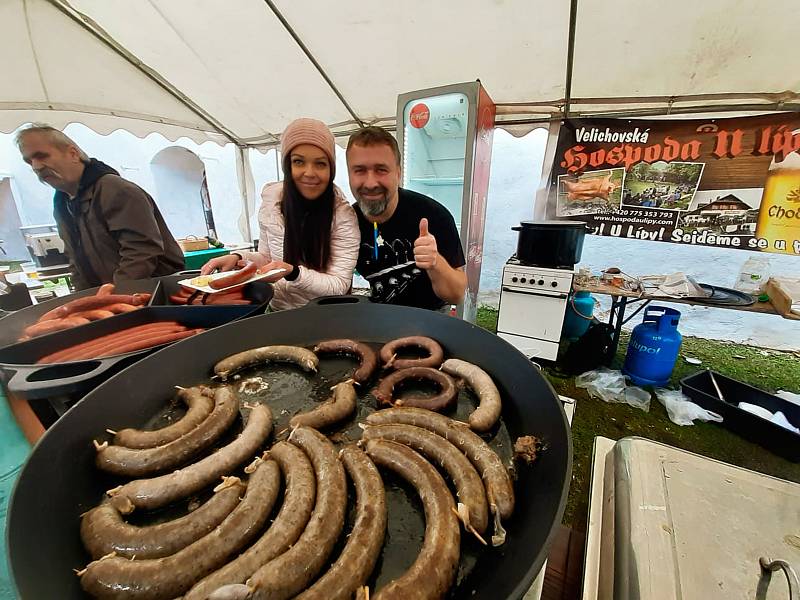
{"x": 578, "y": 315}
{"x": 654, "y": 347}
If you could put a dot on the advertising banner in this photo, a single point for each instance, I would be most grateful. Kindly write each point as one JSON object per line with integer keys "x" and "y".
{"x": 732, "y": 183}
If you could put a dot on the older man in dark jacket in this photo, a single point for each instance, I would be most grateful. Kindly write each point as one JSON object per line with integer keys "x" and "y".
{"x": 112, "y": 229}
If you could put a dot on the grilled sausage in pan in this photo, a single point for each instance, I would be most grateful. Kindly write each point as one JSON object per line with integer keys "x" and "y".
{"x": 367, "y": 357}
{"x": 499, "y": 490}
{"x": 431, "y": 346}
{"x": 354, "y": 565}
{"x": 433, "y": 572}
{"x": 485, "y": 416}
{"x": 160, "y": 491}
{"x": 135, "y": 462}
{"x": 171, "y": 576}
{"x": 439, "y": 451}
{"x": 298, "y": 502}
{"x": 291, "y": 572}
{"x": 339, "y": 407}
{"x": 302, "y": 357}
{"x": 447, "y": 388}
{"x": 199, "y": 404}
{"x": 104, "y": 531}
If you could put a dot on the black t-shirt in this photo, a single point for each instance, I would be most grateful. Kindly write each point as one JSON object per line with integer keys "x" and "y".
{"x": 396, "y": 245}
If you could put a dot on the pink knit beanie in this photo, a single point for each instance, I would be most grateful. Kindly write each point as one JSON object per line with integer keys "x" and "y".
{"x": 309, "y": 131}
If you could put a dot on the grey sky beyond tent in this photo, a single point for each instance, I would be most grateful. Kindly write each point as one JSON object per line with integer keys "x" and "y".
{"x": 240, "y": 70}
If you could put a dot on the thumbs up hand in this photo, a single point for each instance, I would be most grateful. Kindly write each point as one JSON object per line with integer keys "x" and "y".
{"x": 425, "y": 250}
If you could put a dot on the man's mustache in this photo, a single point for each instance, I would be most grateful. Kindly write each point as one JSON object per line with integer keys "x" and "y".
{"x": 42, "y": 173}
{"x": 370, "y": 191}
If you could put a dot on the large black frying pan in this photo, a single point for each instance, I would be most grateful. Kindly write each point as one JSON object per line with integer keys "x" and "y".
{"x": 59, "y": 480}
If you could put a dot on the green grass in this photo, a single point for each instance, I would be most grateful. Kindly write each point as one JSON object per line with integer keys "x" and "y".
{"x": 769, "y": 370}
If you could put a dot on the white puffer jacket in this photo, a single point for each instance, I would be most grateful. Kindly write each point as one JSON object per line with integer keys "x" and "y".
{"x": 310, "y": 284}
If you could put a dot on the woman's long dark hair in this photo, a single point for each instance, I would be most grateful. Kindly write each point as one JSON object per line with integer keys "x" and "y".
{"x": 307, "y": 223}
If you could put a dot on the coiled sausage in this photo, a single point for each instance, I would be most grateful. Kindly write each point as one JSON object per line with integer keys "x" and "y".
{"x": 298, "y": 502}
{"x": 367, "y": 357}
{"x": 433, "y": 572}
{"x": 290, "y": 573}
{"x": 171, "y": 576}
{"x": 440, "y": 451}
{"x": 135, "y": 462}
{"x": 159, "y": 491}
{"x": 358, "y": 558}
{"x": 486, "y": 415}
{"x": 104, "y": 531}
{"x": 499, "y": 489}
{"x": 302, "y": 357}
{"x": 339, "y": 407}
{"x": 431, "y": 346}
{"x": 384, "y": 391}
{"x": 199, "y": 404}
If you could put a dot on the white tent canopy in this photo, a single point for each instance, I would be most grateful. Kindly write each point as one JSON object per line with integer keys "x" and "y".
{"x": 239, "y": 71}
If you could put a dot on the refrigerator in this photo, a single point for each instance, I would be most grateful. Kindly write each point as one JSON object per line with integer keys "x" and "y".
{"x": 445, "y": 138}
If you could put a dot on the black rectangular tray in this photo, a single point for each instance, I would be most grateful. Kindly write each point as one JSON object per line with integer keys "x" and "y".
{"x": 29, "y": 380}
{"x": 775, "y": 438}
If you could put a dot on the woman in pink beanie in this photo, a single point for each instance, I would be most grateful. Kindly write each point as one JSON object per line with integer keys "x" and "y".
{"x": 307, "y": 227}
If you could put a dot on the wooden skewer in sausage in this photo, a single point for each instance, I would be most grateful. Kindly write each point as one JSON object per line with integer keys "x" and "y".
{"x": 431, "y": 346}
{"x": 354, "y": 565}
{"x": 199, "y": 404}
{"x": 367, "y": 357}
{"x": 499, "y": 489}
{"x": 103, "y": 529}
{"x": 136, "y": 462}
{"x": 486, "y": 415}
{"x": 302, "y": 357}
{"x": 298, "y": 502}
{"x": 339, "y": 407}
{"x": 290, "y": 573}
{"x": 159, "y": 491}
{"x": 171, "y": 576}
{"x": 384, "y": 391}
{"x": 434, "y": 570}
{"x": 440, "y": 451}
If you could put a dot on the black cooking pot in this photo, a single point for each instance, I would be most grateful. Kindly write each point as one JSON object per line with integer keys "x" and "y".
{"x": 550, "y": 244}
{"x": 59, "y": 481}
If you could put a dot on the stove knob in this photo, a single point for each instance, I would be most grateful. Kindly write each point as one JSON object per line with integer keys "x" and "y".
{"x": 514, "y": 279}
{"x": 523, "y": 280}
{"x": 554, "y": 284}
{"x": 540, "y": 282}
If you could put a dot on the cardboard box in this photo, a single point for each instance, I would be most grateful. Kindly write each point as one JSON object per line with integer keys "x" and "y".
{"x": 192, "y": 243}
{"x": 784, "y": 294}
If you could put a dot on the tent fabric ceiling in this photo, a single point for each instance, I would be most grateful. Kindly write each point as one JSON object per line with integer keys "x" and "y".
{"x": 236, "y": 71}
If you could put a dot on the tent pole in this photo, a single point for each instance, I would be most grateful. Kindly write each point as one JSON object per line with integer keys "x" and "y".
{"x": 313, "y": 60}
{"x": 101, "y": 34}
{"x": 244, "y": 177}
{"x": 573, "y": 17}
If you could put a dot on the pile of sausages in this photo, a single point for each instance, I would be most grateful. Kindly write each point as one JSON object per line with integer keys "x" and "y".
{"x": 130, "y": 339}
{"x": 233, "y": 296}
{"x": 105, "y": 303}
{"x": 227, "y": 549}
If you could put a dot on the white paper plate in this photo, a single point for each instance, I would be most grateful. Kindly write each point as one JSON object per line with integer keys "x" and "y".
{"x": 204, "y": 288}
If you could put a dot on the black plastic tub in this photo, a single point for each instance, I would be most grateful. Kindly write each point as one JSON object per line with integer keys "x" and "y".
{"x": 771, "y": 436}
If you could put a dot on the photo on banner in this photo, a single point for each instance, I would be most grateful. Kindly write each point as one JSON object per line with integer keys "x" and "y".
{"x": 732, "y": 183}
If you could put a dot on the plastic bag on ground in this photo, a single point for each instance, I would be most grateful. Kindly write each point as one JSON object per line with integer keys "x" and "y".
{"x": 610, "y": 386}
{"x": 683, "y": 411}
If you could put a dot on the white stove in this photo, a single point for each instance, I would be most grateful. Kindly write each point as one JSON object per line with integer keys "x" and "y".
{"x": 533, "y": 301}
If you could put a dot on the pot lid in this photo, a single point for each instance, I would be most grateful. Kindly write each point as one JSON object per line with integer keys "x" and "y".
{"x": 553, "y": 223}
